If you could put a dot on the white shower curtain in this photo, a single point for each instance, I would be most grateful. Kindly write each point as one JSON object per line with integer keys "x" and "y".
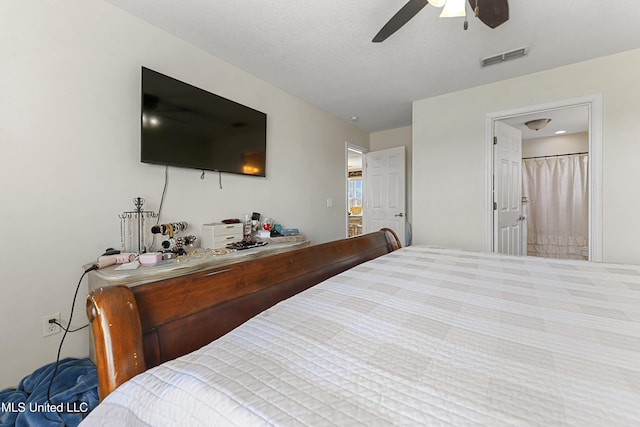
{"x": 557, "y": 215}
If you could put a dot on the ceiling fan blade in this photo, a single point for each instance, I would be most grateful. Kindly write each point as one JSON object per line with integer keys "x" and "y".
{"x": 403, "y": 16}
{"x": 492, "y": 12}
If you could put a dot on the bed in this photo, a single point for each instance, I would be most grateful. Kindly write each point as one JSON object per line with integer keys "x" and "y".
{"x": 404, "y": 336}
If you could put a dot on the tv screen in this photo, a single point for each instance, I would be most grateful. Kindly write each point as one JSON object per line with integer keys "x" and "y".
{"x": 185, "y": 126}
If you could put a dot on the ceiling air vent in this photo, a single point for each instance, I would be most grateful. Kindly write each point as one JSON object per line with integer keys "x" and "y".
{"x": 505, "y": 56}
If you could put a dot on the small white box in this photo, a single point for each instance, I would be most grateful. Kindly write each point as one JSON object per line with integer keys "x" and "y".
{"x": 218, "y": 235}
{"x": 263, "y": 234}
{"x": 150, "y": 258}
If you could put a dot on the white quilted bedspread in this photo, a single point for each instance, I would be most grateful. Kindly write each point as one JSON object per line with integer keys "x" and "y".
{"x": 421, "y": 336}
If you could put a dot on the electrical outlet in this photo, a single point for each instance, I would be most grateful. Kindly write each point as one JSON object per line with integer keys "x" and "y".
{"x": 50, "y": 328}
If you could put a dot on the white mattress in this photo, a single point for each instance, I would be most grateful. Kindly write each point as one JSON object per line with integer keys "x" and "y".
{"x": 421, "y": 336}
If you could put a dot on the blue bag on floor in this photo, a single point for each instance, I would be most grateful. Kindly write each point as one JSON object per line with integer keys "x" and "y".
{"x": 74, "y": 393}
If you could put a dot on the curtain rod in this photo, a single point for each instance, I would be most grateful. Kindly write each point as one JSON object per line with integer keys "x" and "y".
{"x": 555, "y": 155}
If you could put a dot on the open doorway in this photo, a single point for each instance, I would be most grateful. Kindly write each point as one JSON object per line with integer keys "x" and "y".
{"x": 581, "y": 119}
{"x": 355, "y": 190}
{"x": 554, "y": 209}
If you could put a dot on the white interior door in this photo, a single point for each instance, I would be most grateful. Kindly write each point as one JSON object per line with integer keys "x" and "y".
{"x": 385, "y": 191}
{"x": 507, "y": 187}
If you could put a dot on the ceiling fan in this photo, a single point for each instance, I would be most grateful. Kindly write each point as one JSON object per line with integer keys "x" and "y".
{"x": 491, "y": 12}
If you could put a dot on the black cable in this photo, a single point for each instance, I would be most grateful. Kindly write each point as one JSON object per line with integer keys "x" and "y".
{"x": 72, "y": 330}
{"x": 219, "y": 177}
{"x": 66, "y": 331}
{"x": 164, "y": 191}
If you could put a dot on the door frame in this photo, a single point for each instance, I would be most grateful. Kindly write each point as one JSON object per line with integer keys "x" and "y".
{"x": 595, "y": 107}
{"x": 348, "y": 146}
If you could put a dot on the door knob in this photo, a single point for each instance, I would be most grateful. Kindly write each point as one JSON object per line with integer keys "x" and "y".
{"x": 400, "y": 215}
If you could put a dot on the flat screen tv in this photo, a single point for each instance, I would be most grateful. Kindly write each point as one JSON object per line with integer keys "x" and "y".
{"x": 188, "y": 127}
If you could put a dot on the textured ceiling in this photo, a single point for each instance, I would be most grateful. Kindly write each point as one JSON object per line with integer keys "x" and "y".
{"x": 321, "y": 51}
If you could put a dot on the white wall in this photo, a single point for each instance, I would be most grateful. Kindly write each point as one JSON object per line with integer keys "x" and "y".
{"x": 395, "y": 138}
{"x": 556, "y": 145}
{"x": 448, "y": 151}
{"x": 69, "y": 108}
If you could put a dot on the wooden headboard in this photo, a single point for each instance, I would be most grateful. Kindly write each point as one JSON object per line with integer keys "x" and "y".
{"x": 140, "y": 327}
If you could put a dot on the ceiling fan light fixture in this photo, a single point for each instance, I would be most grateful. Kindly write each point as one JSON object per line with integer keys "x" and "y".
{"x": 437, "y": 3}
{"x": 454, "y": 8}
